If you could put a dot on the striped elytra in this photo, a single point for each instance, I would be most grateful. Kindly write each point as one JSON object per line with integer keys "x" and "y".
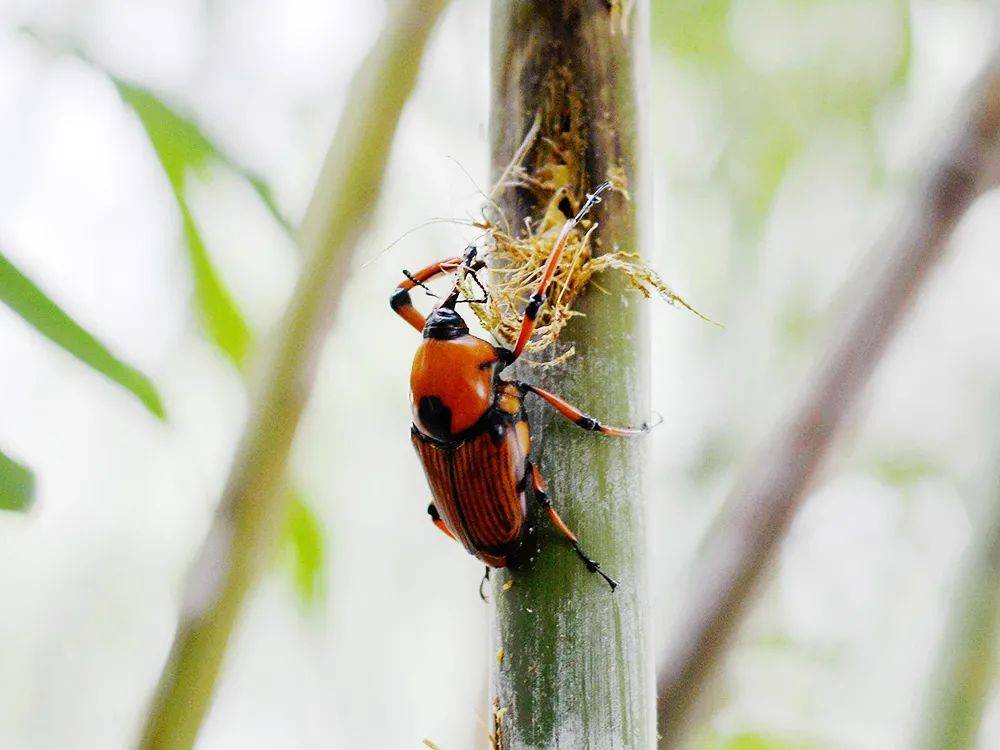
{"x": 479, "y": 488}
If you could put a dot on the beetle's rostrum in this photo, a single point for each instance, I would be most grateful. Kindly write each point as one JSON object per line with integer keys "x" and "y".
{"x": 470, "y": 428}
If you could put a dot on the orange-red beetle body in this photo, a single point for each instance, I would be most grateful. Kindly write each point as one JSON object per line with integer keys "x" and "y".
{"x": 469, "y": 425}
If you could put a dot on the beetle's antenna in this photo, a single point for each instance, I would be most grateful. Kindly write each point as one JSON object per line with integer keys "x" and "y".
{"x": 422, "y": 285}
{"x": 408, "y": 232}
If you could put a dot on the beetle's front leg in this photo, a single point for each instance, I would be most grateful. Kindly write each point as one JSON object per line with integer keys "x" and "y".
{"x": 538, "y": 297}
{"x": 538, "y": 485}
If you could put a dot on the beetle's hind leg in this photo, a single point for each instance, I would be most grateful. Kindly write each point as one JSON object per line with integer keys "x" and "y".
{"x": 538, "y": 485}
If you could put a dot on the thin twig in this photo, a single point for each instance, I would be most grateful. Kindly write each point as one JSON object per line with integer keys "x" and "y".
{"x": 769, "y": 496}
{"x": 245, "y": 530}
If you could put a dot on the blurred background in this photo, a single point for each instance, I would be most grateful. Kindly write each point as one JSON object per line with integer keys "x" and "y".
{"x": 785, "y": 136}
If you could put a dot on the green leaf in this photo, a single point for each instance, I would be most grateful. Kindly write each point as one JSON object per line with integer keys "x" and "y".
{"x": 17, "y": 484}
{"x": 303, "y": 539}
{"x": 180, "y": 146}
{"x": 19, "y": 293}
{"x": 177, "y": 141}
{"x": 221, "y": 316}
{"x": 266, "y": 196}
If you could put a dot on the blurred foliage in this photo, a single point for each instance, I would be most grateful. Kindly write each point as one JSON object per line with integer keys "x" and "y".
{"x": 772, "y": 106}
{"x": 769, "y": 82}
{"x": 304, "y": 543}
{"x": 17, "y": 484}
{"x": 181, "y": 146}
{"x": 695, "y": 30}
{"x": 755, "y": 741}
{"x": 19, "y": 293}
{"x": 904, "y": 469}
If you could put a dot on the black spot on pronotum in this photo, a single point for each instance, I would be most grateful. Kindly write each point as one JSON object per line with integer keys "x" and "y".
{"x": 434, "y": 416}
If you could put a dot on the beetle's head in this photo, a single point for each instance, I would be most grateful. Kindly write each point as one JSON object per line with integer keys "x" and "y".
{"x": 445, "y": 323}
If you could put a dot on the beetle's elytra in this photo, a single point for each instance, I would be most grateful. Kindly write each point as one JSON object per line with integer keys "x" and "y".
{"x": 469, "y": 424}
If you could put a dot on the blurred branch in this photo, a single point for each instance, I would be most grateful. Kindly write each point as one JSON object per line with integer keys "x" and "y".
{"x": 768, "y": 497}
{"x": 966, "y": 664}
{"x": 253, "y": 506}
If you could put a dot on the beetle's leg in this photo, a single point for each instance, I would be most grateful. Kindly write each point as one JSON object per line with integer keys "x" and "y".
{"x": 471, "y": 274}
{"x": 580, "y": 419}
{"x": 400, "y": 300}
{"x": 436, "y": 518}
{"x": 538, "y": 485}
{"x": 537, "y": 299}
{"x": 482, "y": 583}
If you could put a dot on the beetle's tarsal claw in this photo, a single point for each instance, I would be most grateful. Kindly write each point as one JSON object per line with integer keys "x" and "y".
{"x": 482, "y": 584}
{"x": 595, "y": 567}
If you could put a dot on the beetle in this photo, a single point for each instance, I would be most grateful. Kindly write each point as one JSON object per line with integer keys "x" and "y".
{"x": 469, "y": 426}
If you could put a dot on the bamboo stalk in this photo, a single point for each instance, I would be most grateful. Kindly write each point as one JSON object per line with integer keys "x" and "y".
{"x": 767, "y": 499}
{"x": 248, "y": 520}
{"x": 573, "y": 666}
{"x": 965, "y": 671}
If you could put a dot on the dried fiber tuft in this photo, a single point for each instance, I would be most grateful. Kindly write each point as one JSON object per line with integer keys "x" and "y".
{"x": 516, "y": 256}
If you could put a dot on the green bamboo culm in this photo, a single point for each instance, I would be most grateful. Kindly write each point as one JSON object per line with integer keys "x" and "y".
{"x": 573, "y": 662}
